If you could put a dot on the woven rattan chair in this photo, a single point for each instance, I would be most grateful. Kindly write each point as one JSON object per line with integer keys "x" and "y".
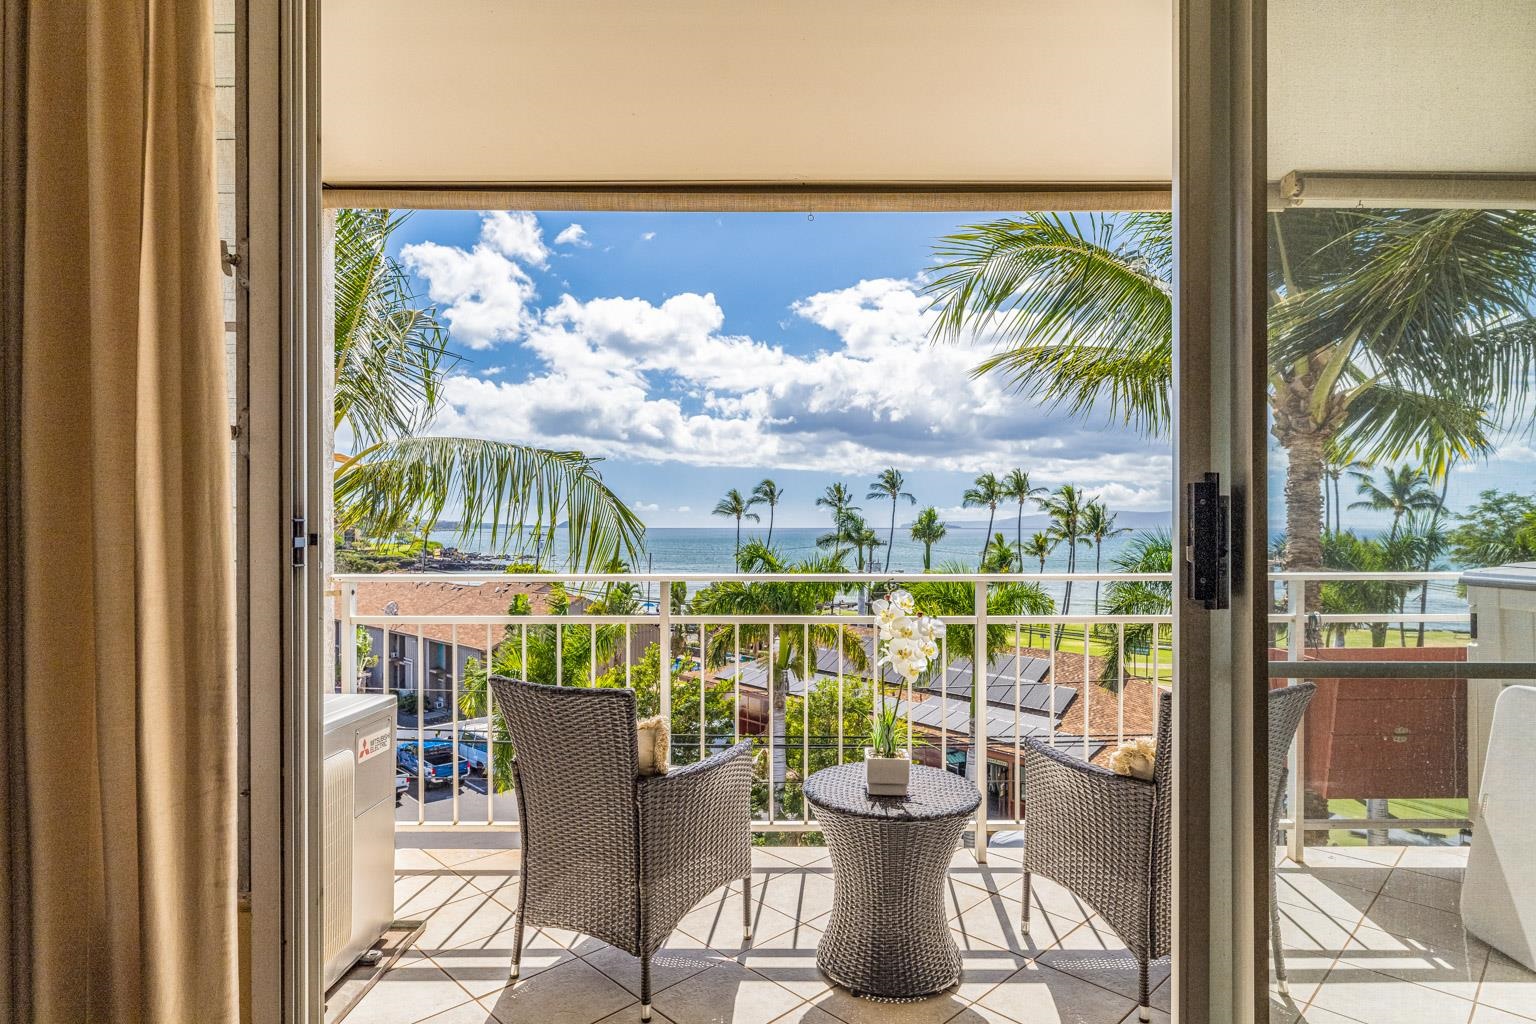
{"x": 1108, "y": 838}
{"x": 608, "y": 852}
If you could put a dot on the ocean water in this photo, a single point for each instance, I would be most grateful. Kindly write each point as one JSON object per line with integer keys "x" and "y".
{"x": 711, "y": 549}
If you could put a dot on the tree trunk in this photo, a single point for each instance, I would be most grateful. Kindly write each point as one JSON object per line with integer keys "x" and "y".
{"x": 1018, "y": 536}
{"x": 770, "y": 526}
{"x": 891, "y": 538}
{"x": 1305, "y": 441}
{"x": 1098, "y": 566}
{"x": 987, "y": 537}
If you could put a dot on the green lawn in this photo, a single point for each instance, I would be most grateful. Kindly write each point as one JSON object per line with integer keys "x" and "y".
{"x": 1449, "y": 807}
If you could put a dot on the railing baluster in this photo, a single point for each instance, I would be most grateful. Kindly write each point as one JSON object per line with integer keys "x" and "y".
{"x": 703, "y": 669}
{"x": 839, "y": 694}
{"x": 772, "y": 720}
{"x": 1296, "y": 643}
{"x": 1050, "y": 719}
{"x": 979, "y": 728}
{"x": 559, "y": 654}
{"x": 1087, "y": 692}
{"x": 1120, "y": 692}
{"x": 453, "y": 706}
{"x": 736, "y": 687}
{"x": 490, "y": 731}
{"x": 1013, "y": 769}
{"x": 943, "y": 703}
{"x": 421, "y": 727}
{"x": 348, "y": 608}
{"x": 629, "y": 679}
{"x": 593, "y": 667}
{"x": 805, "y": 724}
{"x": 664, "y": 677}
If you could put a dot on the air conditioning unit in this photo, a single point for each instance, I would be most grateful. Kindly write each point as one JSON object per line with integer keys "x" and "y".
{"x": 357, "y": 878}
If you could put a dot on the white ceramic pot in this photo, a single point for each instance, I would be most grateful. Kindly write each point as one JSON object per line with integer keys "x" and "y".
{"x": 887, "y": 776}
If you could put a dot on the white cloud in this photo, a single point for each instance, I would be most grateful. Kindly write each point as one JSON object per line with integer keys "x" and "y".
{"x": 516, "y": 235}
{"x": 484, "y": 296}
{"x": 574, "y": 234}
{"x": 680, "y": 508}
{"x": 646, "y": 236}
{"x": 491, "y": 371}
{"x": 644, "y": 506}
{"x": 632, "y": 379}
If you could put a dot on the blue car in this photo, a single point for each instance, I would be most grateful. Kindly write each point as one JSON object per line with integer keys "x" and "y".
{"x": 439, "y": 761}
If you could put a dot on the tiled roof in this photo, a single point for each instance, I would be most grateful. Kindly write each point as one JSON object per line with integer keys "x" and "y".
{"x": 433, "y": 597}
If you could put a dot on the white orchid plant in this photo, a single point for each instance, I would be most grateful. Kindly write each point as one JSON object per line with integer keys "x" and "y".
{"x": 909, "y": 642}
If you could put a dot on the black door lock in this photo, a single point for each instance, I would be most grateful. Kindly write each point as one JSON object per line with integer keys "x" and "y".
{"x": 1207, "y": 544}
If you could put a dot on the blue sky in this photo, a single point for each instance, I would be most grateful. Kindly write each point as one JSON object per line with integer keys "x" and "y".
{"x": 698, "y": 352}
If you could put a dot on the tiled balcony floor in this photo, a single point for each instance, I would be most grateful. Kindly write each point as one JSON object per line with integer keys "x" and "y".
{"x": 1372, "y": 936}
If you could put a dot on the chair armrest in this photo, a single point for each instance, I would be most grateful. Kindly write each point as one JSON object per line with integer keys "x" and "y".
{"x": 1090, "y": 829}
{"x": 695, "y": 834}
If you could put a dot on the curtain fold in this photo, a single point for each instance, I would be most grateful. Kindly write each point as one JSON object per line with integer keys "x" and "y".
{"x": 127, "y": 703}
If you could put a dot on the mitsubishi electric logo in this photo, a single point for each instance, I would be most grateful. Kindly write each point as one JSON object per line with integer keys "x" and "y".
{"x": 371, "y": 745}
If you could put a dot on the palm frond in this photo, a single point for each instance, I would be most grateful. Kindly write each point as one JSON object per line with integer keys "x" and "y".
{"x": 1061, "y": 296}
{"x": 391, "y": 352}
{"x": 511, "y": 489}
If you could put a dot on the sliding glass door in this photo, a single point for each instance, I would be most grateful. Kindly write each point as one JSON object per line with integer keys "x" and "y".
{"x": 1400, "y": 270}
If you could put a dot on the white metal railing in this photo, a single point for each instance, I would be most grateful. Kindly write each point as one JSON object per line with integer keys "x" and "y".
{"x": 1061, "y": 639}
{"x": 1298, "y": 620}
{"x": 1094, "y": 641}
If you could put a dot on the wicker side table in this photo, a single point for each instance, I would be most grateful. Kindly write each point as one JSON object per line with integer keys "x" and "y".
{"x": 890, "y": 855}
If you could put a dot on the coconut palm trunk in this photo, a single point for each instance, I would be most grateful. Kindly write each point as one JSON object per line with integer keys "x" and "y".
{"x": 1306, "y": 442}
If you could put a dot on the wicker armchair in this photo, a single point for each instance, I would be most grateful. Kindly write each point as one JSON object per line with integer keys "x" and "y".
{"x": 1109, "y": 838}
{"x": 607, "y": 852}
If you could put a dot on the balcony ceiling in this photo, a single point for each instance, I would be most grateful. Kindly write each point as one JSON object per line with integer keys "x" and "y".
{"x": 853, "y": 91}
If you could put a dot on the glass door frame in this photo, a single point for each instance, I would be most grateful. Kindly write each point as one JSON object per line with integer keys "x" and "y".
{"x": 1220, "y": 425}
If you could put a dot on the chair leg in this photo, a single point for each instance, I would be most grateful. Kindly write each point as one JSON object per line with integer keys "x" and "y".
{"x": 746, "y": 907}
{"x": 1276, "y": 953}
{"x": 1144, "y": 1002}
{"x": 645, "y": 986}
{"x": 1026, "y": 903}
{"x": 517, "y": 935}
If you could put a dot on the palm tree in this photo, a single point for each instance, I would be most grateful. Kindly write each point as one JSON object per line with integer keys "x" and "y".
{"x": 735, "y": 506}
{"x": 1000, "y": 555}
{"x": 767, "y": 493}
{"x": 866, "y": 539}
{"x": 889, "y": 486}
{"x": 1040, "y": 547}
{"x": 1066, "y": 507}
{"x": 1380, "y": 340}
{"x": 838, "y": 499}
{"x": 986, "y": 493}
{"x": 1145, "y": 553}
{"x": 928, "y": 530}
{"x": 1403, "y": 490}
{"x": 1099, "y": 526}
{"x": 391, "y": 363}
{"x": 1016, "y": 486}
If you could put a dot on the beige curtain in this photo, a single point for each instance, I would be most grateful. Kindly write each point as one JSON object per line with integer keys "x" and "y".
{"x": 122, "y": 896}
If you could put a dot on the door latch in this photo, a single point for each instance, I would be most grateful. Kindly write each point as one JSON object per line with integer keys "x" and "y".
{"x": 300, "y": 540}
{"x": 1207, "y": 544}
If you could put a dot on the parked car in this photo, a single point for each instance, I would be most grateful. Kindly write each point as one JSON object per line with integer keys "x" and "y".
{"x": 402, "y": 784}
{"x": 438, "y": 756}
{"x": 472, "y": 749}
